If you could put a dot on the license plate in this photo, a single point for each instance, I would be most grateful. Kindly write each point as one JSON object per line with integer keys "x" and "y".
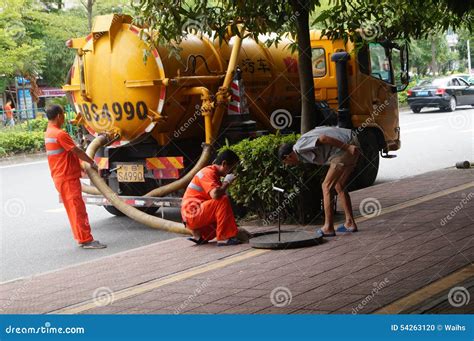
{"x": 422, "y": 93}
{"x": 130, "y": 173}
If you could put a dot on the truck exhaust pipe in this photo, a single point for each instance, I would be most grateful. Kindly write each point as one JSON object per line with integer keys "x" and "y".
{"x": 343, "y": 113}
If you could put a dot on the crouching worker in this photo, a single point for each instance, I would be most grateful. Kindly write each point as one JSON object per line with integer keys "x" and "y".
{"x": 338, "y": 148}
{"x": 206, "y": 209}
{"x": 63, "y": 159}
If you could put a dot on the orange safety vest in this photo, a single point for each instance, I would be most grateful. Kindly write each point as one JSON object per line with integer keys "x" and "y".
{"x": 62, "y": 162}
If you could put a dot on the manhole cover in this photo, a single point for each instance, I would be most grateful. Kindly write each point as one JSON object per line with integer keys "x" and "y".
{"x": 287, "y": 240}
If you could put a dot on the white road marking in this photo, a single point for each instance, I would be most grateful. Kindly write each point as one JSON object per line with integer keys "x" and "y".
{"x": 24, "y": 164}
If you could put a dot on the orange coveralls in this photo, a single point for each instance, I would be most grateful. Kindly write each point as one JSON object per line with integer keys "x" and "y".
{"x": 212, "y": 217}
{"x": 66, "y": 172}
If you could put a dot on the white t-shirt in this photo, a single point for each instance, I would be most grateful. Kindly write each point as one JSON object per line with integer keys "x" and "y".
{"x": 309, "y": 152}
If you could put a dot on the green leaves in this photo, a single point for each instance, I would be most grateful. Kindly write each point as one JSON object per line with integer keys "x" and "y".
{"x": 260, "y": 170}
{"x": 21, "y": 142}
{"x": 174, "y": 20}
{"x": 20, "y": 53}
{"x": 393, "y": 19}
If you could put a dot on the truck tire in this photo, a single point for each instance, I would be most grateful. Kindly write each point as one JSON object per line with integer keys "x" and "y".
{"x": 112, "y": 210}
{"x": 365, "y": 173}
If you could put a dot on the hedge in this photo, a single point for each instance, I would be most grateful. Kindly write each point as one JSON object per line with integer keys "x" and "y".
{"x": 38, "y": 124}
{"x": 21, "y": 142}
{"x": 26, "y": 137}
{"x": 260, "y": 170}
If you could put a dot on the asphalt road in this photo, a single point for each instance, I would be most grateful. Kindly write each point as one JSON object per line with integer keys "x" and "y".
{"x": 35, "y": 233}
{"x": 36, "y": 237}
{"x": 431, "y": 140}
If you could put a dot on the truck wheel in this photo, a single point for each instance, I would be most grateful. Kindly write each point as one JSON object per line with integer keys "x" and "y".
{"x": 416, "y": 110}
{"x": 112, "y": 210}
{"x": 365, "y": 173}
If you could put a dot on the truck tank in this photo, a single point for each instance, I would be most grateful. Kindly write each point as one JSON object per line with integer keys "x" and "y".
{"x": 120, "y": 87}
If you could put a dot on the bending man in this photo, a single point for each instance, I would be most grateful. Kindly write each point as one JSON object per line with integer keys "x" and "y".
{"x": 338, "y": 148}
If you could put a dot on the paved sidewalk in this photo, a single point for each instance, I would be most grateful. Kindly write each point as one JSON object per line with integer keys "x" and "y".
{"x": 413, "y": 232}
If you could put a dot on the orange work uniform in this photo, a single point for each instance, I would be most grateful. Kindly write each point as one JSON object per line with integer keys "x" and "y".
{"x": 212, "y": 217}
{"x": 66, "y": 172}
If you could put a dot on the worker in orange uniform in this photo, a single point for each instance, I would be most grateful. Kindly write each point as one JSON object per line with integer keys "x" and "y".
{"x": 10, "y": 121}
{"x": 206, "y": 209}
{"x": 63, "y": 159}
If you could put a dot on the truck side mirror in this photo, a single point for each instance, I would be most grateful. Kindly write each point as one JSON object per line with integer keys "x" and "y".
{"x": 403, "y": 79}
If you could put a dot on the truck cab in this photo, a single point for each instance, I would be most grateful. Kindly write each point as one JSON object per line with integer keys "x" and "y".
{"x": 375, "y": 73}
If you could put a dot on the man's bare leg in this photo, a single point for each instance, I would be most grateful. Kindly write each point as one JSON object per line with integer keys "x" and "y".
{"x": 346, "y": 202}
{"x": 332, "y": 177}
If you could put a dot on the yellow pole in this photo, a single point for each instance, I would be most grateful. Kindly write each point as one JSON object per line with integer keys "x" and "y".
{"x": 206, "y": 109}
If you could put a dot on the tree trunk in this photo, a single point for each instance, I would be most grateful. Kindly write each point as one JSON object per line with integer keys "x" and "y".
{"x": 434, "y": 67}
{"x": 90, "y": 4}
{"x": 310, "y": 117}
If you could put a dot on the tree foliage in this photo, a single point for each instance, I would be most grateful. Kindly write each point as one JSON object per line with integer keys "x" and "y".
{"x": 421, "y": 54}
{"x": 394, "y": 19}
{"x": 54, "y": 29}
{"x": 20, "y": 54}
{"x": 33, "y": 36}
{"x": 463, "y": 36}
{"x": 175, "y": 19}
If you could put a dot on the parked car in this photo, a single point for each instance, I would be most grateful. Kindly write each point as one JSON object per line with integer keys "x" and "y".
{"x": 445, "y": 93}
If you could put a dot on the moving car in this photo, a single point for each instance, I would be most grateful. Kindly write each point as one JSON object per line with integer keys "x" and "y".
{"x": 445, "y": 93}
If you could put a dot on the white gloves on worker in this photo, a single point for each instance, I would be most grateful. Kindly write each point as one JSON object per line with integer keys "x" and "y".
{"x": 229, "y": 178}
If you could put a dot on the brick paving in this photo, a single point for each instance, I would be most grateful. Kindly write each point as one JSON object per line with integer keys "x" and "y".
{"x": 393, "y": 255}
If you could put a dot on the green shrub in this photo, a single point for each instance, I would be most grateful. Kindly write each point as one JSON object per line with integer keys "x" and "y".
{"x": 38, "y": 124}
{"x": 260, "y": 169}
{"x": 20, "y": 142}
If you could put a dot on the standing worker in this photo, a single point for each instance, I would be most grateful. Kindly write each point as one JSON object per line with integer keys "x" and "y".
{"x": 10, "y": 121}
{"x": 338, "y": 148}
{"x": 63, "y": 160}
{"x": 206, "y": 209}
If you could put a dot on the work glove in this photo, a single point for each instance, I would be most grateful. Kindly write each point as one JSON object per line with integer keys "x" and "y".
{"x": 229, "y": 178}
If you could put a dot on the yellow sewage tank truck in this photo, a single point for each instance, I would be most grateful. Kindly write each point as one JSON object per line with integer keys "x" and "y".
{"x": 158, "y": 109}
